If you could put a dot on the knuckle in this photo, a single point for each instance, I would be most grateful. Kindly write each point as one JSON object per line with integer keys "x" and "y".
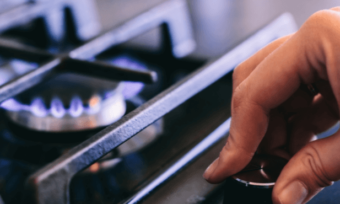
{"x": 320, "y": 30}
{"x": 319, "y": 17}
{"x": 322, "y": 22}
{"x": 313, "y": 163}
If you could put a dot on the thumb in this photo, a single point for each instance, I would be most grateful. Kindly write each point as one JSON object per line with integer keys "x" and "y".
{"x": 314, "y": 167}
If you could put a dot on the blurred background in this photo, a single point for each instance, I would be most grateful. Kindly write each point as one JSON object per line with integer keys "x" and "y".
{"x": 218, "y": 24}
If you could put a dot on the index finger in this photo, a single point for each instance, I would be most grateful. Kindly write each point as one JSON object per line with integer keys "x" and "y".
{"x": 243, "y": 70}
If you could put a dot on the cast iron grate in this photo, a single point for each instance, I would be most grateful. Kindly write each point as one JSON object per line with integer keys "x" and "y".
{"x": 50, "y": 184}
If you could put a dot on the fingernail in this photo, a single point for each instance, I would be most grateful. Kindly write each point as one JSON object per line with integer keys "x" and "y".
{"x": 293, "y": 193}
{"x": 208, "y": 172}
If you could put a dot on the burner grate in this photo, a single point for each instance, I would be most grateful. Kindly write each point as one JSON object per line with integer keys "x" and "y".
{"x": 61, "y": 171}
{"x": 50, "y": 184}
{"x": 172, "y": 16}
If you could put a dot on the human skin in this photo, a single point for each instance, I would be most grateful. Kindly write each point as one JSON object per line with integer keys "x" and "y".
{"x": 272, "y": 113}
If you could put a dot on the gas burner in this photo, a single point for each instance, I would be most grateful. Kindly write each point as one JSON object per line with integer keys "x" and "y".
{"x": 72, "y": 102}
{"x": 69, "y": 102}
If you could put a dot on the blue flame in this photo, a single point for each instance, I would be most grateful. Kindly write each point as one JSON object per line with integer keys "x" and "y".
{"x": 38, "y": 107}
{"x": 16, "y": 68}
{"x": 131, "y": 89}
{"x": 21, "y": 67}
{"x": 57, "y": 108}
{"x": 76, "y": 107}
{"x": 13, "y": 105}
{"x": 5, "y": 76}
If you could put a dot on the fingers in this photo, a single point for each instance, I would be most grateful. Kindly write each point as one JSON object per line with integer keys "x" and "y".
{"x": 309, "y": 171}
{"x": 241, "y": 73}
{"x": 303, "y": 127}
{"x": 314, "y": 165}
{"x": 243, "y": 70}
{"x": 311, "y": 117}
{"x": 250, "y": 109}
{"x": 275, "y": 140}
{"x": 303, "y": 58}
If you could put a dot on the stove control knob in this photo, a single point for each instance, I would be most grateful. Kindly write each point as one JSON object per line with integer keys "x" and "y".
{"x": 254, "y": 184}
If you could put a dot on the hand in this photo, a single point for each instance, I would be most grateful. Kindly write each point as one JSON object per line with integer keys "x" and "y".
{"x": 272, "y": 113}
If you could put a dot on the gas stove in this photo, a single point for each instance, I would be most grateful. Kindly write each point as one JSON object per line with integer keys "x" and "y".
{"x": 86, "y": 118}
